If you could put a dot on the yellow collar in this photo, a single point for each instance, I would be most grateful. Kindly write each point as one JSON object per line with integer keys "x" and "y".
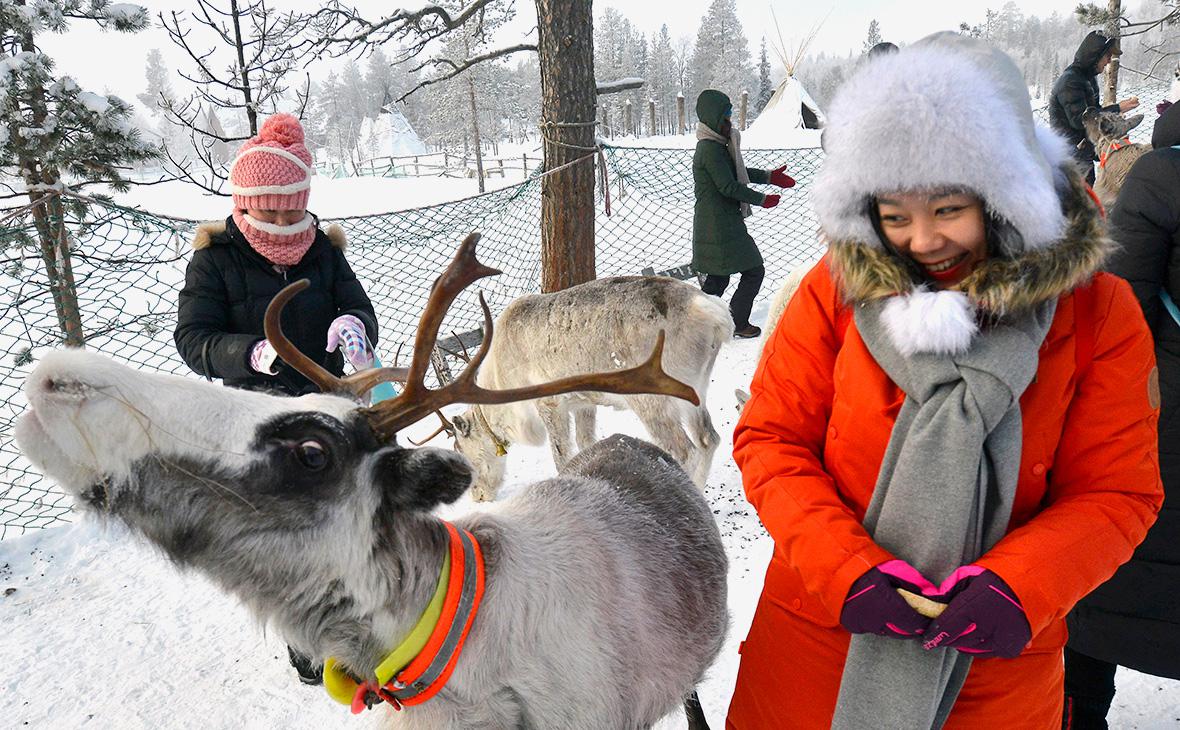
{"x": 419, "y": 667}
{"x": 342, "y": 687}
{"x": 501, "y": 443}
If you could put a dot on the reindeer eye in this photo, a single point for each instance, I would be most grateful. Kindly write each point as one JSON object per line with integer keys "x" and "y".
{"x": 312, "y": 455}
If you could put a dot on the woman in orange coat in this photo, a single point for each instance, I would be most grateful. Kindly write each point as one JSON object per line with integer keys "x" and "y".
{"x": 954, "y": 404}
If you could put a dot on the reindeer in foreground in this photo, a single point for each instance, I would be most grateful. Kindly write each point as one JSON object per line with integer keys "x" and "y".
{"x": 592, "y": 600}
{"x": 1116, "y": 153}
{"x": 602, "y": 325}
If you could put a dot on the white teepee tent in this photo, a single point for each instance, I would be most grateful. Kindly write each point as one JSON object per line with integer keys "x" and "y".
{"x": 790, "y": 108}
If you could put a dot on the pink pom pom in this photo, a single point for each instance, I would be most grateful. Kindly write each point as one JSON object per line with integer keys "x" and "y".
{"x": 282, "y": 128}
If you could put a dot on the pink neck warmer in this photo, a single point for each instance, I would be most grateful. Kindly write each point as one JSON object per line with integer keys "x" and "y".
{"x": 282, "y": 245}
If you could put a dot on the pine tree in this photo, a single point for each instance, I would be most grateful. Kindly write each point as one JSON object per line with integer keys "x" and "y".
{"x": 662, "y": 81}
{"x": 159, "y": 86}
{"x": 765, "y": 87}
{"x": 874, "y": 36}
{"x": 55, "y": 137}
{"x": 721, "y": 59}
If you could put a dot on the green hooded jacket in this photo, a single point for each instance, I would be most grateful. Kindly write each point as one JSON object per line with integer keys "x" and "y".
{"x": 720, "y": 243}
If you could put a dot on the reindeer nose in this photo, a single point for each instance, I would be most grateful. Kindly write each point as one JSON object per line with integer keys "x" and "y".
{"x": 58, "y": 386}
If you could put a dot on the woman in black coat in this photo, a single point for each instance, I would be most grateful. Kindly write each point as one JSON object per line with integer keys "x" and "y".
{"x": 238, "y": 266}
{"x": 1133, "y": 620}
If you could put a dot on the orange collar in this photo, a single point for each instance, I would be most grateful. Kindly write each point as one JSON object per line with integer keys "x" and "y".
{"x": 426, "y": 674}
{"x": 1102, "y": 158}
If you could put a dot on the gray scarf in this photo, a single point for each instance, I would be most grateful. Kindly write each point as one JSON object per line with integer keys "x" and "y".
{"x": 943, "y": 497}
{"x": 704, "y": 131}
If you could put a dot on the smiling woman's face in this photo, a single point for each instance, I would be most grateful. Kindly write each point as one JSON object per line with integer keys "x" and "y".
{"x": 943, "y": 232}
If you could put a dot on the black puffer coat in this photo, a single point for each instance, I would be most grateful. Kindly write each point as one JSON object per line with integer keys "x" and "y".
{"x": 1075, "y": 91}
{"x": 227, "y": 288}
{"x": 1134, "y": 618}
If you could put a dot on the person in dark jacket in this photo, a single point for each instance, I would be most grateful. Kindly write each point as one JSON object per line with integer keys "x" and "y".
{"x": 1133, "y": 620}
{"x": 1077, "y": 90}
{"x": 238, "y": 266}
{"x": 721, "y": 245}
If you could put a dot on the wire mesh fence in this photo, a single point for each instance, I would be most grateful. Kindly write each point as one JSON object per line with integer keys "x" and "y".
{"x": 129, "y": 266}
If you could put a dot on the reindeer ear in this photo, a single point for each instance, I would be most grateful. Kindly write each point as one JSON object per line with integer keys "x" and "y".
{"x": 1133, "y": 121}
{"x": 420, "y": 479}
{"x": 462, "y": 425}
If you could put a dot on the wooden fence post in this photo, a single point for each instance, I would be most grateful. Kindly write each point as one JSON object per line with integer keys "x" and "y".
{"x": 680, "y": 126}
{"x": 651, "y": 117}
{"x": 745, "y": 107}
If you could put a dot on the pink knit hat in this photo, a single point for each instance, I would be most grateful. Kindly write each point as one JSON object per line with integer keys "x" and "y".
{"x": 273, "y": 170}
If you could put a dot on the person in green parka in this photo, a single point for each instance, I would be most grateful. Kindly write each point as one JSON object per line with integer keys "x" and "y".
{"x": 721, "y": 245}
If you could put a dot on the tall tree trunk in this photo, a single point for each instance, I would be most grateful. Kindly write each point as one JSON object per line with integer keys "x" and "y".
{"x": 251, "y": 112}
{"x": 1110, "y": 91}
{"x": 49, "y": 220}
{"x": 474, "y": 119}
{"x": 565, "y": 44}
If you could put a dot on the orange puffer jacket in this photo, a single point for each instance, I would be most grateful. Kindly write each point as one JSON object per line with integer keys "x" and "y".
{"x": 810, "y": 443}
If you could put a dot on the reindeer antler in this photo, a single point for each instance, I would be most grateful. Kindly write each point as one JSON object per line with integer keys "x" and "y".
{"x": 417, "y": 401}
{"x": 356, "y": 384}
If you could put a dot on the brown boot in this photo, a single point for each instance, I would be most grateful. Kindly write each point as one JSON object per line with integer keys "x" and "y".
{"x": 747, "y": 332}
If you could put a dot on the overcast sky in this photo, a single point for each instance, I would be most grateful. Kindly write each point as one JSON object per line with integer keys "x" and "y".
{"x": 114, "y": 62}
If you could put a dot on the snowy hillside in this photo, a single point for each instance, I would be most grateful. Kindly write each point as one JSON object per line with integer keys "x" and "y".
{"x": 102, "y": 632}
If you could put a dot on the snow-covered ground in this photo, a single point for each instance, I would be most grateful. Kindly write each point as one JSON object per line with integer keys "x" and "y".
{"x": 99, "y": 631}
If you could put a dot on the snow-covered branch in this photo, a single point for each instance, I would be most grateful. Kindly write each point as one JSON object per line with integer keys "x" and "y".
{"x": 618, "y": 85}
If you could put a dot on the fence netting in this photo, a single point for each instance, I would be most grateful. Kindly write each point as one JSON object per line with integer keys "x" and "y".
{"x": 129, "y": 266}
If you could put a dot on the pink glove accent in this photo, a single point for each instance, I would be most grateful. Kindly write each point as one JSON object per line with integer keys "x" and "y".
{"x": 350, "y": 331}
{"x": 874, "y": 606}
{"x": 779, "y": 176}
{"x": 262, "y": 358}
{"x": 983, "y": 618}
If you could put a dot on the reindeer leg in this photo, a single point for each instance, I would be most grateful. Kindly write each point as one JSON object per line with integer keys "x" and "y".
{"x": 696, "y": 716}
{"x": 556, "y": 418}
{"x": 585, "y": 430}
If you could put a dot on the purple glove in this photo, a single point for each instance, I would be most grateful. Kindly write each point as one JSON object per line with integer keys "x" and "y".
{"x": 874, "y": 606}
{"x": 262, "y": 358}
{"x": 983, "y": 618}
{"x": 350, "y": 331}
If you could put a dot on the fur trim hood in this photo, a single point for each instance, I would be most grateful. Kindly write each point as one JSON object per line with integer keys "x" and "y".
{"x": 946, "y": 321}
{"x": 945, "y": 112}
{"x": 203, "y": 237}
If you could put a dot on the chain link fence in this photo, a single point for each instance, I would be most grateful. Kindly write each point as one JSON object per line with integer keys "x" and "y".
{"x": 129, "y": 265}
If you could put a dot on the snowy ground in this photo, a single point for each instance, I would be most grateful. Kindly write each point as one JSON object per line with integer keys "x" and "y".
{"x": 102, "y": 632}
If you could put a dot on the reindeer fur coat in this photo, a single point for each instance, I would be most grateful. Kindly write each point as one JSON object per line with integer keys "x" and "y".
{"x": 227, "y": 288}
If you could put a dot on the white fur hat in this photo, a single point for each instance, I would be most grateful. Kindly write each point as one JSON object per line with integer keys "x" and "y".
{"x": 946, "y": 112}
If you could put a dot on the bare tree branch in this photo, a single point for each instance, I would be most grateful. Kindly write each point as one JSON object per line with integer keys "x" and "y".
{"x": 458, "y": 68}
{"x": 342, "y": 31}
